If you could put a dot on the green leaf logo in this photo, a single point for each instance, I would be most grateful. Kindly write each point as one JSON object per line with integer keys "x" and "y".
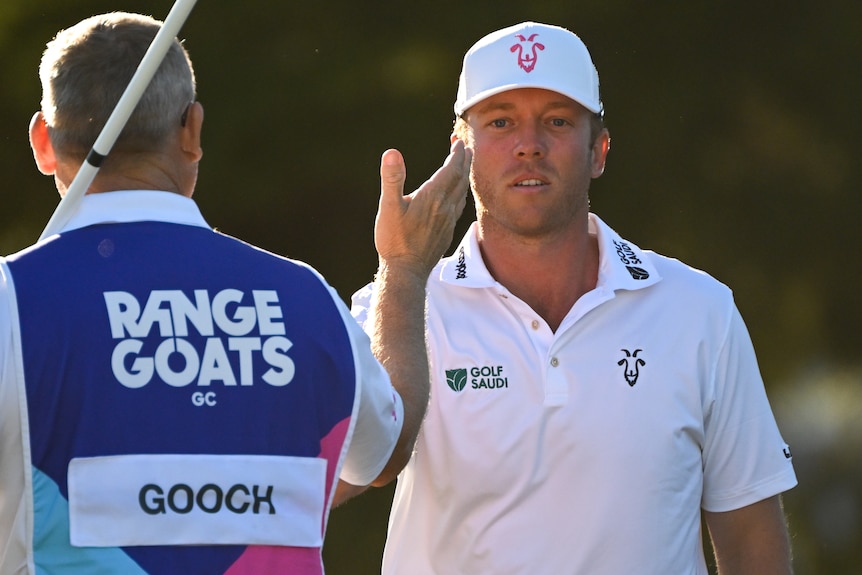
{"x": 456, "y": 378}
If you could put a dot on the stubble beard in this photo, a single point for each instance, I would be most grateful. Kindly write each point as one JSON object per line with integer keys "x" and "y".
{"x": 495, "y": 215}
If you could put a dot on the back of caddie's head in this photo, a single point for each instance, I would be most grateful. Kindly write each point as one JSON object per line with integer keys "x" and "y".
{"x": 529, "y": 55}
{"x": 86, "y": 68}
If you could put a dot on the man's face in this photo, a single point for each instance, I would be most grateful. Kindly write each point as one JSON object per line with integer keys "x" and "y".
{"x": 533, "y": 161}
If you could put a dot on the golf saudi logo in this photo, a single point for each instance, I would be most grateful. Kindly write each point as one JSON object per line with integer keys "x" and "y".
{"x": 486, "y": 377}
{"x": 456, "y": 378}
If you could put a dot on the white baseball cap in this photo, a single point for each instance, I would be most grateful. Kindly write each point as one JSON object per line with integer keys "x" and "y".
{"x": 529, "y": 55}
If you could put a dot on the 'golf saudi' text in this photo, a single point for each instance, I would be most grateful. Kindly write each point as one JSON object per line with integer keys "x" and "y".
{"x": 488, "y": 377}
{"x": 237, "y": 330}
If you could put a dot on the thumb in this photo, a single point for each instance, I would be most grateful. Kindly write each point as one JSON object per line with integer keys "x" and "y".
{"x": 393, "y": 174}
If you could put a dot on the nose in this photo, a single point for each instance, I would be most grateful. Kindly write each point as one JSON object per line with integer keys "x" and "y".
{"x": 531, "y": 142}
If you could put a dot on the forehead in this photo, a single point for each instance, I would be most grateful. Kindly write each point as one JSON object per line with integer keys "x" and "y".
{"x": 527, "y": 99}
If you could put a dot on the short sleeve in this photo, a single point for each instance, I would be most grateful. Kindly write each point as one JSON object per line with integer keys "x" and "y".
{"x": 380, "y": 414}
{"x": 745, "y": 458}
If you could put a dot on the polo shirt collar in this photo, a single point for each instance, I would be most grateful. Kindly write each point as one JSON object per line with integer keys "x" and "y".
{"x": 622, "y": 264}
{"x": 135, "y": 206}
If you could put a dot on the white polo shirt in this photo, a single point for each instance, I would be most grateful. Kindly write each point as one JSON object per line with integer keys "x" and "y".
{"x": 589, "y": 450}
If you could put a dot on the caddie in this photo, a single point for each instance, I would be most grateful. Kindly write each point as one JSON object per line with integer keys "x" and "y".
{"x": 173, "y": 400}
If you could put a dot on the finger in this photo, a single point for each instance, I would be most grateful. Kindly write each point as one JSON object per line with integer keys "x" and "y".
{"x": 393, "y": 174}
{"x": 453, "y": 176}
{"x": 459, "y": 162}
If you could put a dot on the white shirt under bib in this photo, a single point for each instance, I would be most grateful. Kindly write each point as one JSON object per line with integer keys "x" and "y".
{"x": 589, "y": 450}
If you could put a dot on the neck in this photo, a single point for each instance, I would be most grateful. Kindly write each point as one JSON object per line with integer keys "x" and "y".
{"x": 141, "y": 172}
{"x": 549, "y": 274}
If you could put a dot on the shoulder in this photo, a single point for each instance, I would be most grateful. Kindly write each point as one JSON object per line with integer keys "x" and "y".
{"x": 259, "y": 255}
{"x": 687, "y": 281}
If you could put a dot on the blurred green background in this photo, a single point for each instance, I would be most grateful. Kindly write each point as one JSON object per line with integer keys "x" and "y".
{"x": 735, "y": 131}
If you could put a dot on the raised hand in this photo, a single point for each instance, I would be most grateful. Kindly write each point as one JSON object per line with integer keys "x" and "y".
{"x": 412, "y": 231}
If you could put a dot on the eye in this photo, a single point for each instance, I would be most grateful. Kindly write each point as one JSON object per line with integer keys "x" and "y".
{"x": 499, "y": 123}
{"x": 559, "y": 122}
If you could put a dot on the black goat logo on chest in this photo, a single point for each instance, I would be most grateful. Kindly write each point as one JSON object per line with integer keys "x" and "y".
{"x": 632, "y": 365}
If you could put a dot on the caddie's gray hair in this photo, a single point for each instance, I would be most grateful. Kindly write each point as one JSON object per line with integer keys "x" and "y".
{"x": 84, "y": 71}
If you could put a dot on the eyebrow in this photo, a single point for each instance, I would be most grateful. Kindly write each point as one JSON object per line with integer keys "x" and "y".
{"x": 491, "y": 107}
{"x": 506, "y": 106}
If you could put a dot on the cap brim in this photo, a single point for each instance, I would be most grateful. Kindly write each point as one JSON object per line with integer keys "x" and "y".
{"x": 585, "y": 101}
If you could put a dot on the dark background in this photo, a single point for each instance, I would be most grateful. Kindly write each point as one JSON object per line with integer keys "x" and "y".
{"x": 735, "y": 132}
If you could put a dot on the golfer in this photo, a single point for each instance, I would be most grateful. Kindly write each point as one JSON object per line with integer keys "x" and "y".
{"x": 591, "y": 401}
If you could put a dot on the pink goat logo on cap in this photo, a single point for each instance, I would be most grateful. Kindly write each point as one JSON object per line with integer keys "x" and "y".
{"x": 527, "y": 53}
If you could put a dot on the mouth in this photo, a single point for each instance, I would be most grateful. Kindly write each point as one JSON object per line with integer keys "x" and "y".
{"x": 530, "y": 183}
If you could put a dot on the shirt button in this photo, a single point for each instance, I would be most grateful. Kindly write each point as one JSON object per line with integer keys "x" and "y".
{"x": 535, "y": 324}
{"x": 555, "y": 362}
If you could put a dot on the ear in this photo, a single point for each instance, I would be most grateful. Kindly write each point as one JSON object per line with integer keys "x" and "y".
{"x": 601, "y": 147}
{"x": 43, "y": 150}
{"x": 190, "y": 132}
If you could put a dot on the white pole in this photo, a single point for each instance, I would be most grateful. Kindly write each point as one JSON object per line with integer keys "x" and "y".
{"x": 116, "y": 122}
